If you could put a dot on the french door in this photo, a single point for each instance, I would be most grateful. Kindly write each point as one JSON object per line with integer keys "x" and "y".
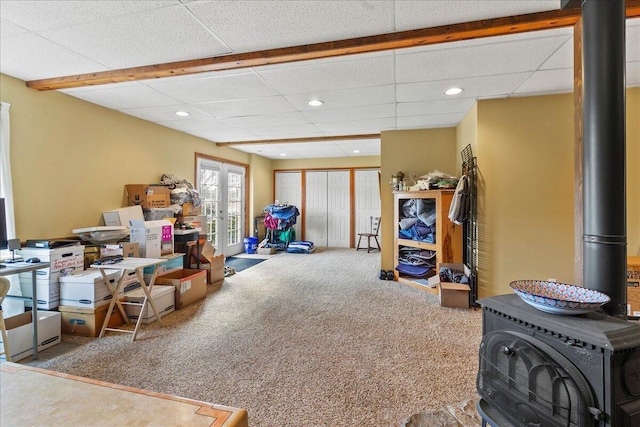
{"x": 221, "y": 187}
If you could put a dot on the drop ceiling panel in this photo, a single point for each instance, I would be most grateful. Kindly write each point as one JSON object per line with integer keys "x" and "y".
{"x": 125, "y": 97}
{"x": 30, "y": 57}
{"x": 433, "y": 121}
{"x": 157, "y": 35}
{"x": 339, "y": 114}
{"x": 345, "y": 98}
{"x": 247, "y": 107}
{"x": 288, "y": 131}
{"x": 226, "y": 88}
{"x": 328, "y": 76}
{"x": 633, "y": 73}
{"x": 455, "y": 105}
{"x": 43, "y": 15}
{"x": 257, "y": 25}
{"x": 491, "y": 59}
{"x": 9, "y": 29}
{"x": 476, "y": 87}
{"x": 358, "y": 126}
{"x": 422, "y": 14}
{"x": 222, "y": 135}
{"x": 166, "y": 113}
{"x": 540, "y": 82}
{"x": 276, "y": 119}
{"x": 208, "y": 124}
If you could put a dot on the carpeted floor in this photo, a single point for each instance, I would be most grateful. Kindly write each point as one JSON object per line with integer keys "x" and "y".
{"x": 300, "y": 340}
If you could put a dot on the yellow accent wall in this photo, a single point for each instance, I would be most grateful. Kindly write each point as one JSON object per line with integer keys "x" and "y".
{"x": 525, "y": 198}
{"x": 70, "y": 159}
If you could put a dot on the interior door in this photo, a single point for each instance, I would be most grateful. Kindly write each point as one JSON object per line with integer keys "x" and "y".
{"x": 328, "y": 216}
{"x": 338, "y": 209}
{"x": 316, "y": 208}
{"x": 221, "y": 188}
{"x": 367, "y": 199}
{"x": 289, "y": 190}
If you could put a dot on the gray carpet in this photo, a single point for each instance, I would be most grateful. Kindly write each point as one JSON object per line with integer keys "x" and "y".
{"x": 300, "y": 340}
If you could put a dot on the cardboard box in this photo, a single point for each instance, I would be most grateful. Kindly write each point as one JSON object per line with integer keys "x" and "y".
{"x": 155, "y": 214}
{"x": 163, "y": 297}
{"x": 215, "y": 266}
{"x": 122, "y": 216}
{"x": 190, "y": 285}
{"x": 87, "y": 288}
{"x": 48, "y": 292}
{"x": 124, "y": 249}
{"x": 452, "y": 294}
{"x": 147, "y": 196}
{"x": 47, "y": 287}
{"x": 266, "y": 251}
{"x": 64, "y": 258}
{"x": 154, "y": 237}
{"x": 188, "y": 209}
{"x": 87, "y": 321}
{"x": 20, "y": 333}
{"x": 195, "y": 221}
{"x": 633, "y": 298}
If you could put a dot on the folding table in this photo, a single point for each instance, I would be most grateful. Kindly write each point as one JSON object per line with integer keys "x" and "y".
{"x": 127, "y": 265}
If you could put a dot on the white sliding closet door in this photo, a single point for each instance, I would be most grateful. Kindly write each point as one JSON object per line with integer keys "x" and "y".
{"x": 316, "y": 208}
{"x": 338, "y": 209}
{"x": 289, "y": 190}
{"x": 367, "y": 199}
{"x": 327, "y": 220}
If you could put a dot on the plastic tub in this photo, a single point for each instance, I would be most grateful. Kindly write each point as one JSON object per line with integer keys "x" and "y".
{"x": 250, "y": 245}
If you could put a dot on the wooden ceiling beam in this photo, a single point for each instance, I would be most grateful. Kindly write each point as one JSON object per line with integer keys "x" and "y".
{"x": 399, "y": 40}
{"x": 404, "y": 39}
{"x": 305, "y": 139}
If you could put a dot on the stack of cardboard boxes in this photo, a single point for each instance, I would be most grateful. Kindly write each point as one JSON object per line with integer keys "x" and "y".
{"x": 77, "y": 295}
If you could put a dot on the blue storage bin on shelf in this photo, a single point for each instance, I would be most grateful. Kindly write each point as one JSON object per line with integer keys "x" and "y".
{"x": 250, "y": 245}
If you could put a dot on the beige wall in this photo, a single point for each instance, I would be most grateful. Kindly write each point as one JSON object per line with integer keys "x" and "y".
{"x": 420, "y": 151}
{"x": 525, "y": 194}
{"x": 261, "y": 186}
{"x": 467, "y": 134}
{"x": 70, "y": 159}
{"x": 526, "y": 204}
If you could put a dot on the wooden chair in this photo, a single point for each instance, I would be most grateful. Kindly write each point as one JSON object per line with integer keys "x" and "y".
{"x": 374, "y": 226}
{"x": 4, "y": 290}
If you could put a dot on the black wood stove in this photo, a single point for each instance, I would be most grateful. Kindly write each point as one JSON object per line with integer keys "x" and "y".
{"x": 541, "y": 369}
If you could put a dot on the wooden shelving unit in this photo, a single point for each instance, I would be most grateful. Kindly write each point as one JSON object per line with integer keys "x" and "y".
{"x": 448, "y": 236}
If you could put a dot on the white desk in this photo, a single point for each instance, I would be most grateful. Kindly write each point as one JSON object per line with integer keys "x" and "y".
{"x": 23, "y": 267}
{"x": 129, "y": 264}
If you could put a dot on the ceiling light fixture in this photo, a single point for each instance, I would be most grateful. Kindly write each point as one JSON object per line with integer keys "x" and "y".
{"x": 182, "y": 113}
{"x": 283, "y": 155}
{"x": 316, "y": 102}
{"x": 453, "y": 91}
{"x": 356, "y": 151}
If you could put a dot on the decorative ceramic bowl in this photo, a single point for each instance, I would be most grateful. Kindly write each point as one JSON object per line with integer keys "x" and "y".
{"x": 558, "y": 298}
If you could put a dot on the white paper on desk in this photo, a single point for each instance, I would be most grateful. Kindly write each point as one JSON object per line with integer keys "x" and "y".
{"x": 185, "y": 286}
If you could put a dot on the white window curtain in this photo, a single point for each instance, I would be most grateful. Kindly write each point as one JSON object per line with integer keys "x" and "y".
{"x": 10, "y": 307}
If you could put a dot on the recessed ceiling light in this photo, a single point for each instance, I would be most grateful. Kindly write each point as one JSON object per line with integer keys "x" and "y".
{"x": 316, "y": 102}
{"x": 283, "y": 155}
{"x": 356, "y": 151}
{"x": 182, "y": 113}
{"x": 453, "y": 91}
